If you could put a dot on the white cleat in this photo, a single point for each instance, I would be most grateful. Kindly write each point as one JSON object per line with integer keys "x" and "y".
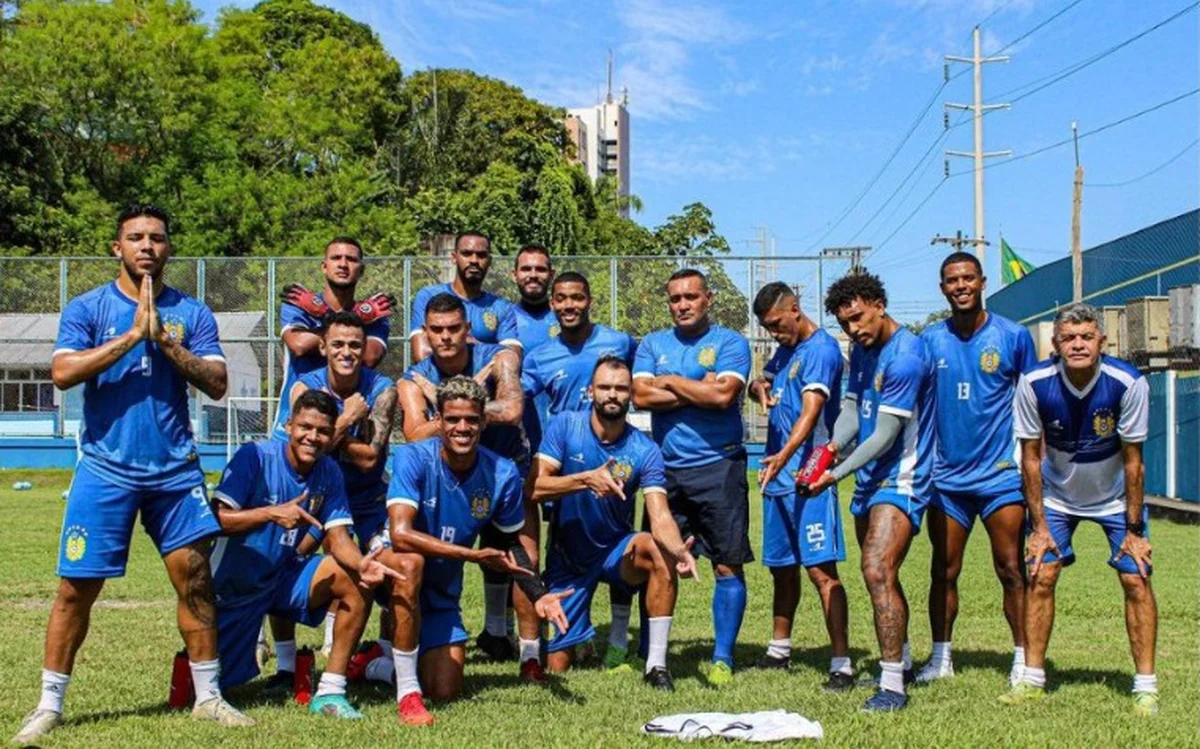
{"x": 934, "y": 670}
{"x": 36, "y": 725}
{"x": 222, "y": 713}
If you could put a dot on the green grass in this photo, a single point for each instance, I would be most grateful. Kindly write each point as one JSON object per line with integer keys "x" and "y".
{"x": 118, "y": 695}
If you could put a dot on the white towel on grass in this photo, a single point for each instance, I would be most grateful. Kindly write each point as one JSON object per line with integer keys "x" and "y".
{"x": 768, "y": 725}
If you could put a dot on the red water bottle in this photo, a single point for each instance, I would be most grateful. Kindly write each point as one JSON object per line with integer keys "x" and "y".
{"x": 182, "y": 692}
{"x": 306, "y": 675}
{"x": 819, "y": 461}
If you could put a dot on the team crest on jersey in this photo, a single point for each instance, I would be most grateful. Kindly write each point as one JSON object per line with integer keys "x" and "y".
{"x": 1103, "y": 423}
{"x": 879, "y": 382}
{"x": 795, "y": 370}
{"x": 989, "y": 359}
{"x": 314, "y": 503}
{"x": 490, "y": 321}
{"x": 481, "y": 505}
{"x": 554, "y": 331}
{"x": 621, "y": 470}
{"x": 76, "y": 543}
{"x": 707, "y": 357}
{"x": 173, "y": 328}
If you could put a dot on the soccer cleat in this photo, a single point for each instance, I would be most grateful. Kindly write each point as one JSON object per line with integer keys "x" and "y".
{"x": 335, "y": 706}
{"x": 279, "y": 683}
{"x": 934, "y": 670}
{"x": 357, "y": 668}
{"x": 885, "y": 701}
{"x": 659, "y": 678}
{"x": 1145, "y": 704}
{"x": 838, "y": 682}
{"x": 262, "y": 654}
{"x": 36, "y": 725}
{"x": 222, "y": 713}
{"x": 769, "y": 661}
{"x": 412, "y": 712}
{"x": 586, "y": 655}
{"x": 532, "y": 672}
{"x": 1022, "y": 693}
{"x": 495, "y": 647}
{"x": 719, "y": 674}
{"x": 615, "y": 657}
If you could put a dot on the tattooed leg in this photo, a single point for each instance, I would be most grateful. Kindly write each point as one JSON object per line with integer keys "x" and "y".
{"x": 885, "y": 544}
{"x": 195, "y": 611}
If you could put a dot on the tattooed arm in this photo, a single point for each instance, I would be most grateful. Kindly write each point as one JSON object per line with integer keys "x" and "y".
{"x": 208, "y": 375}
{"x": 508, "y": 404}
{"x": 367, "y": 453}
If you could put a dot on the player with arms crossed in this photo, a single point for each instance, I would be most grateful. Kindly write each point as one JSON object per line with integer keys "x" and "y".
{"x": 691, "y": 378}
{"x": 1082, "y": 418}
{"x": 443, "y": 491}
{"x": 888, "y": 409}
{"x": 490, "y": 319}
{"x": 273, "y": 497}
{"x": 135, "y": 345}
{"x": 979, "y": 357}
{"x": 591, "y": 465}
{"x": 801, "y": 389}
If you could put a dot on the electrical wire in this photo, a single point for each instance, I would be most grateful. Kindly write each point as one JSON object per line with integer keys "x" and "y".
{"x": 1152, "y": 172}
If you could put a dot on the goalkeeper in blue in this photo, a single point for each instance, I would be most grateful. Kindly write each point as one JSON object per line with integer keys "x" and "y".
{"x": 591, "y": 464}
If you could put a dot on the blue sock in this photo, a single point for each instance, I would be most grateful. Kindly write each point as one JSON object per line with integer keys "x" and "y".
{"x": 728, "y": 607}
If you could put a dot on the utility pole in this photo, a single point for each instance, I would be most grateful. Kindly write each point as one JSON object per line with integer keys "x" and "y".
{"x": 977, "y": 109}
{"x": 1076, "y": 211}
{"x": 958, "y": 241}
{"x": 854, "y": 253}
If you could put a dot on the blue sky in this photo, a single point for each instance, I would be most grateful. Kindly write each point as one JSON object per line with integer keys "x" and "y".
{"x": 778, "y": 114}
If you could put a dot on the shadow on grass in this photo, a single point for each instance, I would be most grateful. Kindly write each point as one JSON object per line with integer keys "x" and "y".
{"x": 144, "y": 711}
{"x": 990, "y": 660}
{"x": 1120, "y": 682}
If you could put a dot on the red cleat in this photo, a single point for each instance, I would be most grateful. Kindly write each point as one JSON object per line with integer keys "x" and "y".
{"x": 412, "y": 712}
{"x": 356, "y": 670}
{"x": 532, "y": 672}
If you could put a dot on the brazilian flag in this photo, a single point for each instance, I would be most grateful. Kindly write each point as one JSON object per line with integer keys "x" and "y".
{"x": 1012, "y": 266}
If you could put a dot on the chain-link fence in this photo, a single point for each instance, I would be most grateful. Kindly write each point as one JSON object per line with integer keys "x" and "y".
{"x": 628, "y": 294}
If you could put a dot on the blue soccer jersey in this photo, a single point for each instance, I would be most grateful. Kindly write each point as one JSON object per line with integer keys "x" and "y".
{"x": 492, "y": 319}
{"x": 294, "y": 367}
{"x": 454, "y": 508}
{"x": 247, "y": 565}
{"x": 975, "y": 450}
{"x": 1082, "y": 471}
{"x": 896, "y": 378}
{"x": 815, "y": 364}
{"x": 690, "y": 436}
{"x": 564, "y": 371}
{"x": 136, "y": 431}
{"x": 504, "y": 439}
{"x": 584, "y": 528}
{"x": 534, "y": 327}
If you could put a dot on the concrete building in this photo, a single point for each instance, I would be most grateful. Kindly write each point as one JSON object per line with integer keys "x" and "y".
{"x": 601, "y": 137}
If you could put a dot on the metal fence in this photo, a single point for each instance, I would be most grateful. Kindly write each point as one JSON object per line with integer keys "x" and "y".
{"x": 627, "y": 293}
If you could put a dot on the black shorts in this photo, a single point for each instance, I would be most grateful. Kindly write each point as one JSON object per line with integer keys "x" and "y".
{"x": 712, "y": 503}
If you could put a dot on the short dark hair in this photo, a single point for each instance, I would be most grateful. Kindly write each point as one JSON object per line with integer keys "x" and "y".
{"x": 536, "y": 249}
{"x": 342, "y": 239}
{"x": 960, "y": 257}
{"x": 473, "y": 233}
{"x": 446, "y": 302}
{"x": 572, "y": 276}
{"x": 344, "y": 318}
{"x": 610, "y": 360}
{"x": 688, "y": 273}
{"x": 770, "y": 296}
{"x": 318, "y": 400}
{"x": 845, "y": 290}
{"x": 137, "y": 210}
{"x": 460, "y": 387}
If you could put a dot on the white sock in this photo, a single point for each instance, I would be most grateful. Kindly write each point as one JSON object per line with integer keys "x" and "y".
{"x": 330, "y": 616}
{"x": 907, "y": 657}
{"x": 618, "y": 634}
{"x": 495, "y": 603}
{"x": 381, "y": 669}
{"x": 941, "y": 653}
{"x": 204, "y": 678}
{"x": 660, "y": 634}
{"x": 386, "y": 646}
{"x": 1018, "y": 657}
{"x": 331, "y": 684}
{"x": 841, "y": 665}
{"x": 891, "y": 676}
{"x": 1034, "y": 676}
{"x": 285, "y": 656}
{"x": 54, "y": 690}
{"x": 406, "y": 672}
{"x": 1147, "y": 683}
{"x": 781, "y": 648}
{"x": 262, "y": 635}
{"x": 530, "y": 650}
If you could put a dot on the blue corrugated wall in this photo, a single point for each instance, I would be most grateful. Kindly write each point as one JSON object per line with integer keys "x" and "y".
{"x": 1187, "y": 436}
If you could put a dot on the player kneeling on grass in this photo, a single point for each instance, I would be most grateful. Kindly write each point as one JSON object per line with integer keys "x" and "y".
{"x": 443, "y": 491}
{"x": 273, "y": 497}
{"x": 591, "y": 464}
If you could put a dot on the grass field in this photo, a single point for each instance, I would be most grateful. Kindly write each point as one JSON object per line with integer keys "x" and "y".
{"x": 118, "y": 694}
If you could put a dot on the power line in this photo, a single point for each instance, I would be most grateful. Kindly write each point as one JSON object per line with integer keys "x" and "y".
{"x": 1153, "y": 171}
{"x": 1037, "y": 28}
{"x": 908, "y": 218}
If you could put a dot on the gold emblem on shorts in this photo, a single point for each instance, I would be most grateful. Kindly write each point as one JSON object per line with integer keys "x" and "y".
{"x": 481, "y": 505}
{"x": 76, "y": 543}
{"x": 707, "y": 357}
{"x": 1104, "y": 424}
{"x": 989, "y": 359}
{"x": 490, "y": 321}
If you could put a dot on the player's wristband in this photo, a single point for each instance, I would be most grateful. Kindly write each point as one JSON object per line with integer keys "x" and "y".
{"x": 1138, "y": 529}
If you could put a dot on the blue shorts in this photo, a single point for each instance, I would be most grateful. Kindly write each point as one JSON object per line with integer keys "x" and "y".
{"x": 964, "y": 508}
{"x": 802, "y": 530}
{"x": 1062, "y": 527}
{"x": 912, "y": 506}
{"x": 578, "y": 606}
{"x": 440, "y": 626}
{"x": 238, "y": 624}
{"x": 98, "y": 523}
{"x": 368, "y": 524}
